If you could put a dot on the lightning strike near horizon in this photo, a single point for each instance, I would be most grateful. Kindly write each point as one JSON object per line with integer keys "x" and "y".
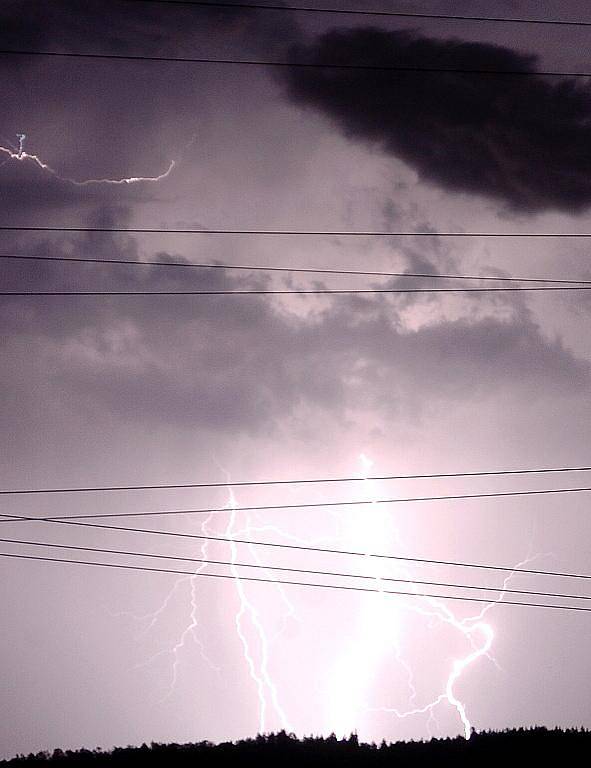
{"x": 20, "y": 155}
{"x": 467, "y": 627}
{"x": 376, "y": 633}
{"x": 377, "y": 627}
{"x": 247, "y": 617}
{"x": 380, "y": 626}
{"x": 190, "y": 631}
{"x": 262, "y": 679}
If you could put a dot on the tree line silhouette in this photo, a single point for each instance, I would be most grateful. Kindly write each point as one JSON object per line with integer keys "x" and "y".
{"x": 517, "y": 747}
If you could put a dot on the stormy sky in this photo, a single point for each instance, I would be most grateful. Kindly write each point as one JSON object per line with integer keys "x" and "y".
{"x": 123, "y": 390}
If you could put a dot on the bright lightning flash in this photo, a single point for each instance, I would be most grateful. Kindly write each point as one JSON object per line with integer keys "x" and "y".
{"x": 20, "y": 155}
{"x": 250, "y": 628}
{"x": 373, "y": 635}
{"x": 479, "y": 634}
{"x": 261, "y": 677}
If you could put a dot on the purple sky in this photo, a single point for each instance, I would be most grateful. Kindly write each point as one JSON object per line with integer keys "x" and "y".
{"x": 110, "y": 391}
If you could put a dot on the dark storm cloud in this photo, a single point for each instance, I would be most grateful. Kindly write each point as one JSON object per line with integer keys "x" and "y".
{"x": 90, "y": 26}
{"x": 521, "y": 140}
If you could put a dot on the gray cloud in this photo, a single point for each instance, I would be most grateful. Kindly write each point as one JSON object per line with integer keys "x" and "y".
{"x": 243, "y": 364}
{"x": 521, "y": 140}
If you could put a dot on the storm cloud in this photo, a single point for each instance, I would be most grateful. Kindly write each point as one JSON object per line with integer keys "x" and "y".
{"x": 246, "y": 364}
{"x": 521, "y": 140}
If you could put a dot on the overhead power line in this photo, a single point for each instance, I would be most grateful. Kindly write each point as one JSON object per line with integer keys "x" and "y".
{"x": 260, "y": 580}
{"x": 307, "y": 571}
{"x": 298, "y": 270}
{"x": 291, "y": 232}
{"x": 300, "y": 481}
{"x": 358, "y": 12}
{"x": 301, "y": 547}
{"x": 312, "y": 505}
{"x": 410, "y": 70}
{"x": 303, "y": 292}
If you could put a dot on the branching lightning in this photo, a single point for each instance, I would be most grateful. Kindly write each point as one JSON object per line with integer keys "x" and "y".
{"x": 247, "y": 620}
{"x": 261, "y": 677}
{"x": 382, "y": 621}
{"x": 19, "y": 154}
{"x": 469, "y": 628}
{"x": 376, "y": 634}
{"x": 190, "y": 631}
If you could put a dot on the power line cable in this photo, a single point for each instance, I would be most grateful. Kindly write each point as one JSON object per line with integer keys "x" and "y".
{"x": 309, "y": 572}
{"x": 301, "y": 547}
{"x": 299, "y": 270}
{"x": 357, "y": 12}
{"x": 313, "y": 505}
{"x": 303, "y": 292}
{"x": 349, "y": 588}
{"x": 401, "y": 69}
{"x": 301, "y": 481}
{"x": 289, "y": 232}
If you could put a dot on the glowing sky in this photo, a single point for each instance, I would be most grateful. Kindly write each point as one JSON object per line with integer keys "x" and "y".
{"x": 109, "y": 391}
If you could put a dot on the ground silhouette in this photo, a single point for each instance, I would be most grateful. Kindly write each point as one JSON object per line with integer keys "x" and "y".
{"x": 521, "y": 747}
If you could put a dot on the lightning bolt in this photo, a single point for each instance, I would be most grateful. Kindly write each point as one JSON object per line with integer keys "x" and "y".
{"x": 377, "y": 634}
{"x": 261, "y": 677}
{"x": 381, "y": 623}
{"x": 457, "y": 668}
{"x": 248, "y": 620}
{"x": 469, "y": 628}
{"x": 378, "y": 624}
{"x": 20, "y": 155}
{"x": 190, "y": 631}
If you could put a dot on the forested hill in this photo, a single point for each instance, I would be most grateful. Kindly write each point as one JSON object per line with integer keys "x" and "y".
{"x": 523, "y": 748}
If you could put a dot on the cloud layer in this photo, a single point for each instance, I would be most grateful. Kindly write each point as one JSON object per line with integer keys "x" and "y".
{"x": 246, "y": 364}
{"x": 523, "y": 140}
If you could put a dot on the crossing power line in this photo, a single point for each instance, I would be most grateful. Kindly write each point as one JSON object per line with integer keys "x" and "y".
{"x": 269, "y": 63}
{"x": 302, "y": 292}
{"x": 289, "y": 270}
{"x": 301, "y": 547}
{"x": 301, "y": 481}
{"x": 367, "y": 12}
{"x": 315, "y": 504}
{"x": 287, "y": 232}
{"x": 261, "y": 580}
{"x": 310, "y": 572}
